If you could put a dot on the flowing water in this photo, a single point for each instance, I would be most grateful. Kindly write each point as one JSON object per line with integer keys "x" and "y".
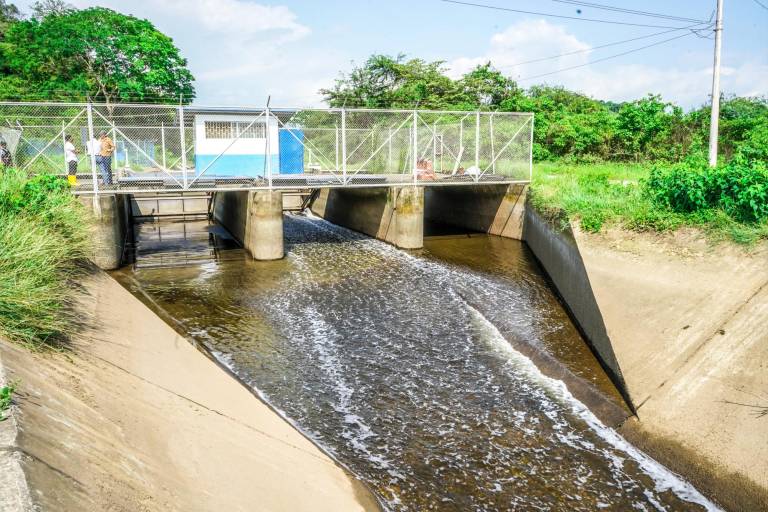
{"x": 403, "y": 366}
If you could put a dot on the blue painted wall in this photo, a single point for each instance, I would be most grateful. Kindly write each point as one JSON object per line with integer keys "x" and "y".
{"x": 248, "y": 166}
{"x": 291, "y": 151}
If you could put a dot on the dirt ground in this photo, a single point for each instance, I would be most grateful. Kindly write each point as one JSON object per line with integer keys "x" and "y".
{"x": 688, "y": 321}
{"x": 135, "y": 418}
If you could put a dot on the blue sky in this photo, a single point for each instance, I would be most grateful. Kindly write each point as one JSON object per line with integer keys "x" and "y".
{"x": 240, "y": 51}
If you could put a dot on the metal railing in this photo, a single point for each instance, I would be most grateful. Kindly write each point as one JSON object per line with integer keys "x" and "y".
{"x": 165, "y": 147}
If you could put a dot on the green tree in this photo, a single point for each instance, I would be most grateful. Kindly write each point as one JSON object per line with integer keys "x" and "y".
{"x": 486, "y": 87}
{"x": 9, "y": 13}
{"x": 394, "y": 82}
{"x": 96, "y": 54}
{"x": 644, "y": 127}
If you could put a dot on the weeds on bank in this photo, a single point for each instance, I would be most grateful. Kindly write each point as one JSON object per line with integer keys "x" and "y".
{"x": 727, "y": 203}
{"x": 43, "y": 245}
{"x": 6, "y": 398}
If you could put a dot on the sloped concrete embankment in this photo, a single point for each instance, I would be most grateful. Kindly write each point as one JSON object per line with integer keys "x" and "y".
{"x": 134, "y": 418}
{"x": 680, "y": 325}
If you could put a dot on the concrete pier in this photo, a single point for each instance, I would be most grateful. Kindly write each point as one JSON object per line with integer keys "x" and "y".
{"x": 110, "y": 229}
{"x": 255, "y": 218}
{"x": 391, "y": 214}
{"x": 495, "y": 209}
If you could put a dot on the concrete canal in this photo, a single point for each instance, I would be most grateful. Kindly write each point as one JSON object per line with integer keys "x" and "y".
{"x": 445, "y": 379}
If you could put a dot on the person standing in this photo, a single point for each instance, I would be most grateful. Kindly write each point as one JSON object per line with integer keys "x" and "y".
{"x": 70, "y": 156}
{"x": 104, "y": 157}
{"x": 6, "y": 160}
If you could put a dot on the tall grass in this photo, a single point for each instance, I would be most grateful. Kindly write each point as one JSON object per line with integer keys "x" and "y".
{"x": 600, "y": 195}
{"x": 43, "y": 246}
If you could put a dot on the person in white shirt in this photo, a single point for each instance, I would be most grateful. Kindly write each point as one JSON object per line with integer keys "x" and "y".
{"x": 70, "y": 156}
{"x": 93, "y": 147}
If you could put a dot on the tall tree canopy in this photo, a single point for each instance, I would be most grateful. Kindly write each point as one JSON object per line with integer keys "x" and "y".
{"x": 95, "y": 54}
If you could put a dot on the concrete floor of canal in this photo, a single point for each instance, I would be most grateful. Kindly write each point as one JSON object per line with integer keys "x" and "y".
{"x": 449, "y": 378}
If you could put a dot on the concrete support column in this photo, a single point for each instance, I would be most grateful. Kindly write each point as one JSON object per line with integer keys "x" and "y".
{"x": 109, "y": 229}
{"x": 264, "y": 227}
{"x": 408, "y": 232}
{"x": 255, "y": 218}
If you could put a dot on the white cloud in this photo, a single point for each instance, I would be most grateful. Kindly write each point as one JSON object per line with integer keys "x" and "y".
{"x": 613, "y": 80}
{"x": 238, "y": 18}
{"x": 525, "y": 41}
{"x": 238, "y": 50}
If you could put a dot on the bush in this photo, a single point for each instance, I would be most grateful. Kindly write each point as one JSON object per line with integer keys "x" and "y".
{"x": 43, "y": 244}
{"x": 739, "y": 188}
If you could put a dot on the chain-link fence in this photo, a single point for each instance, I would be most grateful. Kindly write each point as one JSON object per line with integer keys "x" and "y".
{"x": 135, "y": 148}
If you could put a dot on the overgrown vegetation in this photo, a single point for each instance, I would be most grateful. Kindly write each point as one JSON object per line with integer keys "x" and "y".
{"x": 43, "y": 244}
{"x": 6, "y": 398}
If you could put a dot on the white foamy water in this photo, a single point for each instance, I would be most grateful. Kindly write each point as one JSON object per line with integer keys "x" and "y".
{"x": 664, "y": 479}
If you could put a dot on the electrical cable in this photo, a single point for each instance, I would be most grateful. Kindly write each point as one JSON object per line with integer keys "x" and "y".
{"x": 628, "y": 11}
{"x": 690, "y": 27}
{"x": 604, "y": 58}
{"x": 497, "y": 8}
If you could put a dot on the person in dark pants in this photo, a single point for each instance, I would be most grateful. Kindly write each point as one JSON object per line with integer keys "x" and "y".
{"x": 6, "y": 160}
{"x": 104, "y": 158}
{"x": 70, "y": 155}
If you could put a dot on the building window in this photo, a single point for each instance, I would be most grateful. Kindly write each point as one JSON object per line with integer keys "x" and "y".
{"x": 233, "y": 129}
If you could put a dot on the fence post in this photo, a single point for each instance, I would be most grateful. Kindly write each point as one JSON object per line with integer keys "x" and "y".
{"x": 162, "y": 145}
{"x": 530, "y": 152}
{"x": 92, "y": 148}
{"x": 64, "y": 141}
{"x": 415, "y": 146}
{"x": 434, "y": 145}
{"x": 477, "y": 140}
{"x": 344, "y": 145}
{"x": 336, "y": 147}
{"x": 389, "y": 150}
{"x": 493, "y": 151}
{"x": 268, "y": 145}
{"x": 183, "y": 140}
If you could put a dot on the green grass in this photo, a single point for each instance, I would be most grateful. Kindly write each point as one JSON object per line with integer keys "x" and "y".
{"x": 6, "y": 398}
{"x": 43, "y": 246}
{"x": 613, "y": 194}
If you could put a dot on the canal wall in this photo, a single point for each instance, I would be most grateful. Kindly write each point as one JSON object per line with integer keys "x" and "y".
{"x": 255, "y": 219}
{"x": 494, "y": 209}
{"x": 391, "y": 214}
{"x": 134, "y": 417}
{"x": 680, "y": 325}
{"x": 111, "y": 228}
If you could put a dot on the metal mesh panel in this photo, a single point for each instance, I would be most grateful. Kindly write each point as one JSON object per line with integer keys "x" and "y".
{"x": 164, "y": 147}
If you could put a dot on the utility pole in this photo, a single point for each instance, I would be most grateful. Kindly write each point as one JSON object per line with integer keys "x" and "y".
{"x": 715, "y": 116}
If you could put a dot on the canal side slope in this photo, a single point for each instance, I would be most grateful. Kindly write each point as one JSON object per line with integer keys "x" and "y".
{"x": 688, "y": 322}
{"x": 682, "y": 323}
{"x": 135, "y": 418}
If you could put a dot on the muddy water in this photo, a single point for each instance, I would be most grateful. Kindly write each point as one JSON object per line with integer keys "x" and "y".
{"x": 409, "y": 367}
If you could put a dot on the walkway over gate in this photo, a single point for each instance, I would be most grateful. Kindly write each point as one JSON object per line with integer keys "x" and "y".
{"x": 179, "y": 148}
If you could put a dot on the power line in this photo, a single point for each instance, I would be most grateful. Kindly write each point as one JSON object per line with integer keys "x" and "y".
{"x": 507, "y": 9}
{"x": 601, "y": 46}
{"x": 604, "y": 58}
{"x": 761, "y": 4}
{"x": 628, "y": 11}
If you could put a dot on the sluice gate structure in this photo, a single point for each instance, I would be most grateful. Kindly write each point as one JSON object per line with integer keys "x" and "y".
{"x": 380, "y": 172}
